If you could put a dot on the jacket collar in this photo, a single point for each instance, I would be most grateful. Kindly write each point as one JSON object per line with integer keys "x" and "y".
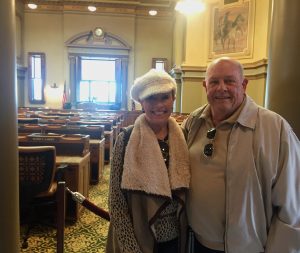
{"x": 144, "y": 168}
{"x": 247, "y": 117}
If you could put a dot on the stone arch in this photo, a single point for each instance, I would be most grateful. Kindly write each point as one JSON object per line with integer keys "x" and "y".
{"x": 88, "y": 39}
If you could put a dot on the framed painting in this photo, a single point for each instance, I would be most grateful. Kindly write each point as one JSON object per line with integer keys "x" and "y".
{"x": 232, "y": 28}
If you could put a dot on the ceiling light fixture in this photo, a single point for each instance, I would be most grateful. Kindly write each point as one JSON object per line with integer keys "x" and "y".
{"x": 32, "y": 6}
{"x": 189, "y": 7}
{"x": 92, "y": 8}
{"x": 153, "y": 12}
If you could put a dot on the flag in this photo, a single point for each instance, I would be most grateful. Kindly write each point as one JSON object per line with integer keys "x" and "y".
{"x": 64, "y": 98}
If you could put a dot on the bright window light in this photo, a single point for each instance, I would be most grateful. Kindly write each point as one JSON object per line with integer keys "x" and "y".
{"x": 98, "y": 81}
{"x": 37, "y": 89}
{"x": 96, "y": 69}
{"x": 189, "y": 7}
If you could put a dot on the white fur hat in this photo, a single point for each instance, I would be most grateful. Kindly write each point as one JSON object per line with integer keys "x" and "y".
{"x": 153, "y": 82}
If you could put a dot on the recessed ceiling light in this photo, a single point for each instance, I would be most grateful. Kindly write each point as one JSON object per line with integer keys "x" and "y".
{"x": 153, "y": 12}
{"x": 189, "y": 7}
{"x": 92, "y": 8}
{"x": 32, "y": 6}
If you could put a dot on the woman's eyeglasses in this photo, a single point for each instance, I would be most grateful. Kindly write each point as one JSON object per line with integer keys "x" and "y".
{"x": 209, "y": 147}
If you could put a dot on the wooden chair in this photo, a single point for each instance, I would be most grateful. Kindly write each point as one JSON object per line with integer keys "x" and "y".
{"x": 38, "y": 186}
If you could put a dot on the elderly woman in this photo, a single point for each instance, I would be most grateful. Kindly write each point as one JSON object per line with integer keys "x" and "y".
{"x": 150, "y": 174}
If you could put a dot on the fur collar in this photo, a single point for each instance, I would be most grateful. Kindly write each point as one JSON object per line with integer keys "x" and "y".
{"x": 144, "y": 168}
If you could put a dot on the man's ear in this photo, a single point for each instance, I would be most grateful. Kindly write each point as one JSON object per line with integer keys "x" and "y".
{"x": 244, "y": 83}
{"x": 204, "y": 84}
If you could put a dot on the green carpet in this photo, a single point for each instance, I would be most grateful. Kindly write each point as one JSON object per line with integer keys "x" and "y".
{"x": 87, "y": 235}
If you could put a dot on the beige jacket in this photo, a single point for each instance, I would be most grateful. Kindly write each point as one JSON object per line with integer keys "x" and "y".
{"x": 262, "y": 182}
{"x": 137, "y": 196}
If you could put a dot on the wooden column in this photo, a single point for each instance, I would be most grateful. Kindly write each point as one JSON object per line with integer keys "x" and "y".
{"x": 9, "y": 177}
{"x": 283, "y": 86}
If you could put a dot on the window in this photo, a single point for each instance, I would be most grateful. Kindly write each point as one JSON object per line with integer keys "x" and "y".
{"x": 36, "y": 77}
{"x": 98, "y": 70}
{"x": 160, "y": 64}
{"x": 98, "y": 82}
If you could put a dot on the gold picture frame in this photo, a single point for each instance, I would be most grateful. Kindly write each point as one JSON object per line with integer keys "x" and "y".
{"x": 232, "y": 28}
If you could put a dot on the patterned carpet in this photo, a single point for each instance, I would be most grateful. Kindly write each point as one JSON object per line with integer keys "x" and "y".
{"x": 89, "y": 233}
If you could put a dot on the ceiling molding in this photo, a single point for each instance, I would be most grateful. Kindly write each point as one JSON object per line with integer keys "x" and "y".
{"x": 89, "y": 40}
{"x": 165, "y": 8}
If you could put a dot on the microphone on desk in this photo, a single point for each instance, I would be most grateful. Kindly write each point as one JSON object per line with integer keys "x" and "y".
{"x": 79, "y": 198}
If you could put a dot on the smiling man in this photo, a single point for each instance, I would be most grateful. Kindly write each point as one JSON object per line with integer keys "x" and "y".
{"x": 244, "y": 194}
{"x": 225, "y": 87}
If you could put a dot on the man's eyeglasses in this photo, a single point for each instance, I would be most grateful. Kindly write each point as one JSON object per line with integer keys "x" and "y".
{"x": 209, "y": 147}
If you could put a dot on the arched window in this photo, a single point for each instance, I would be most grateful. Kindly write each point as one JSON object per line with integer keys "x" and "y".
{"x": 98, "y": 69}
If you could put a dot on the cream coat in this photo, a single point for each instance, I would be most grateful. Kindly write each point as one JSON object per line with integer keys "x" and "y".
{"x": 262, "y": 182}
{"x": 140, "y": 187}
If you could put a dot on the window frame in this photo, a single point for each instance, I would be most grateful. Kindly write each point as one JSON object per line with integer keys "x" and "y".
{"x": 83, "y": 57}
{"x": 160, "y": 60}
{"x": 31, "y": 96}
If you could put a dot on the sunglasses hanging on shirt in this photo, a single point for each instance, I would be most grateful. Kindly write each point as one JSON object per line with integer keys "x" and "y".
{"x": 209, "y": 147}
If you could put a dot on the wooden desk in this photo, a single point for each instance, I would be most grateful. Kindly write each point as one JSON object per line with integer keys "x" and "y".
{"x": 65, "y": 144}
{"x": 97, "y": 148}
{"x": 77, "y": 177}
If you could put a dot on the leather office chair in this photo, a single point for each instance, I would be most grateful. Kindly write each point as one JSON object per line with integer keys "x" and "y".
{"x": 37, "y": 182}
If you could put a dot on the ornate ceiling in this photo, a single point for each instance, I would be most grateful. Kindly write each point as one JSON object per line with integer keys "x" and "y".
{"x": 134, "y": 7}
